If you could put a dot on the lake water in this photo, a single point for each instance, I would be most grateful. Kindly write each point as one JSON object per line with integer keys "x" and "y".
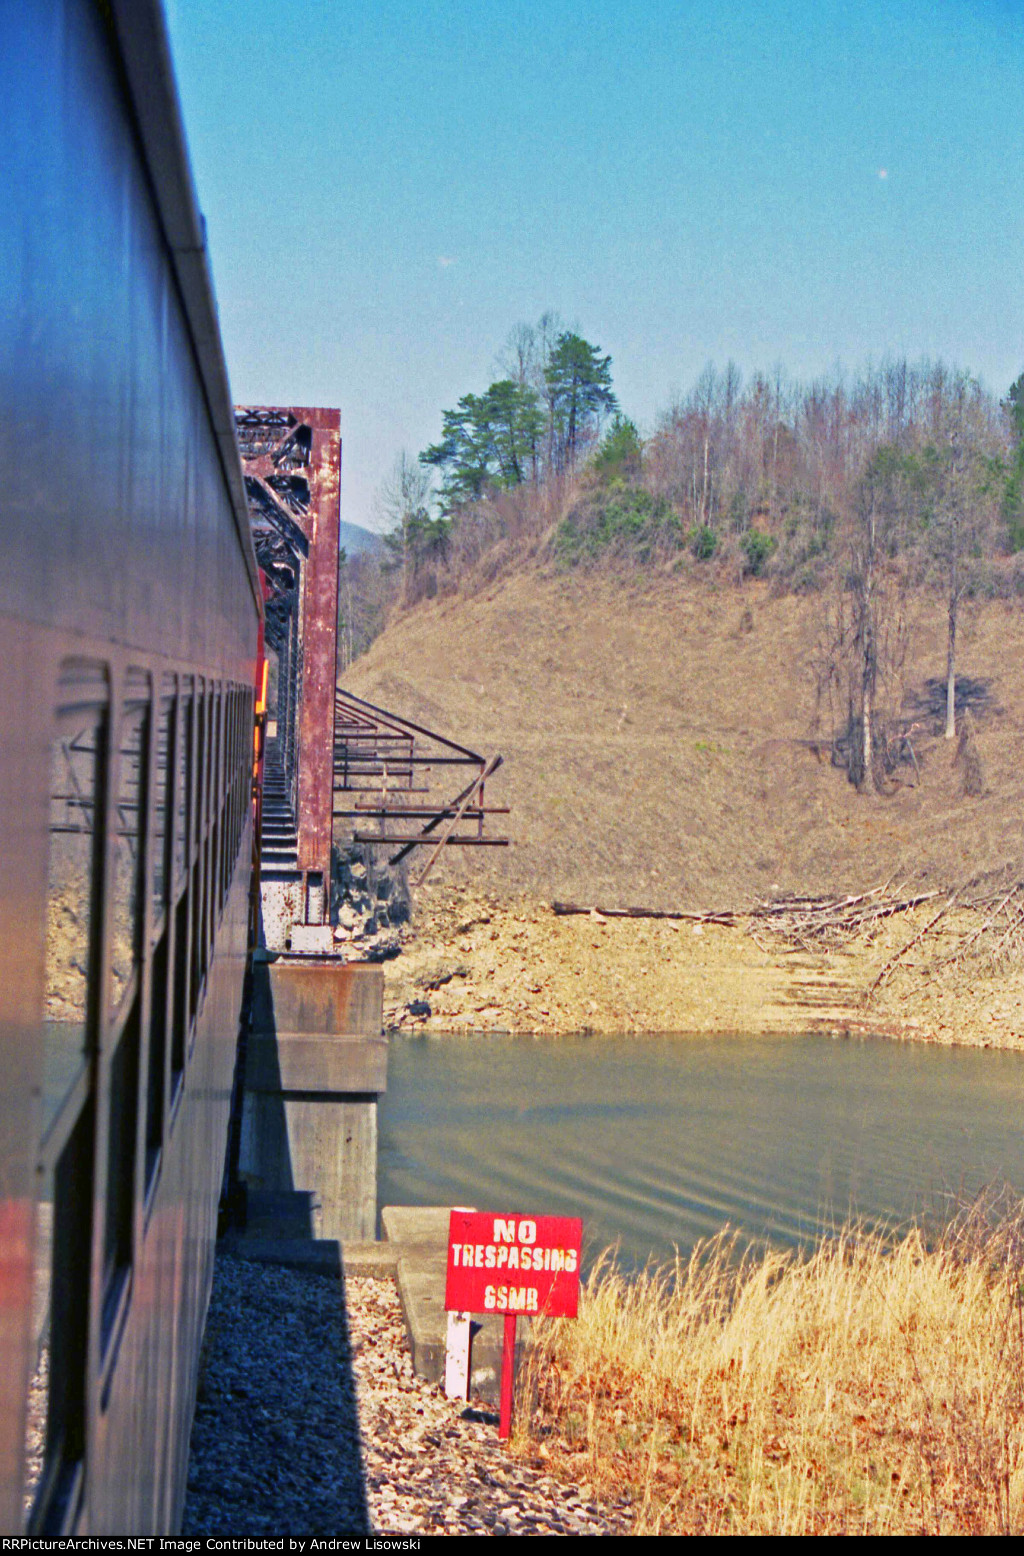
{"x": 660, "y": 1141}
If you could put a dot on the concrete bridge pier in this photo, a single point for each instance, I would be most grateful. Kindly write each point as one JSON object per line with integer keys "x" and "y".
{"x": 316, "y": 1063}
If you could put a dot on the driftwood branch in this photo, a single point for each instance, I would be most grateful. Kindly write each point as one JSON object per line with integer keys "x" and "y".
{"x": 724, "y": 916}
{"x": 797, "y": 919}
{"x": 893, "y": 962}
{"x": 822, "y": 924}
{"x": 966, "y": 945}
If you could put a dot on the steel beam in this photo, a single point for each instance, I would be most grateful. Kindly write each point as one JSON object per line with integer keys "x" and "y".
{"x": 291, "y": 458}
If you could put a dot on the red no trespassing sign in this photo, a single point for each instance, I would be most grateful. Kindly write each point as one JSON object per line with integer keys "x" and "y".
{"x": 513, "y": 1264}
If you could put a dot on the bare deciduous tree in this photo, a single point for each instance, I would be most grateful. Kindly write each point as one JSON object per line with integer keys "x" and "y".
{"x": 960, "y": 493}
{"x": 865, "y": 631}
{"x": 403, "y": 504}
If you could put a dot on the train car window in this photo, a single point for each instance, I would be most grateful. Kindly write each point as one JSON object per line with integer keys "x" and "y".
{"x": 244, "y": 753}
{"x": 129, "y": 817}
{"x": 196, "y": 932}
{"x": 228, "y": 782}
{"x": 210, "y": 851}
{"x": 241, "y": 770}
{"x": 227, "y": 789}
{"x": 128, "y": 823}
{"x": 182, "y": 874}
{"x": 156, "y": 1072}
{"x": 183, "y": 791}
{"x": 216, "y": 802}
{"x": 241, "y": 757}
{"x": 160, "y": 981}
{"x": 233, "y": 824}
{"x": 244, "y": 762}
{"x": 119, "y": 1207}
{"x": 76, "y": 812}
{"x": 162, "y": 775}
{"x": 180, "y": 994}
{"x": 216, "y": 811}
{"x": 252, "y": 737}
{"x": 228, "y": 830}
{"x": 57, "y": 1392}
{"x": 236, "y": 772}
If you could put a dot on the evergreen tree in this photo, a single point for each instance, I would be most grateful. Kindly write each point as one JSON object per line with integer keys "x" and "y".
{"x": 489, "y": 440}
{"x": 621, "y": 452}
{"x": 579, "y": 385}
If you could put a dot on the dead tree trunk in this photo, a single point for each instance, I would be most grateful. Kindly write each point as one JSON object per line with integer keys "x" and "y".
{"x": 953, "y": 611}
{"x": 869, "y": 657}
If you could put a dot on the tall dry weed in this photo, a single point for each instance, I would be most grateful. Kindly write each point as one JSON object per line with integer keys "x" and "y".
{"x": 863, "y": 1387}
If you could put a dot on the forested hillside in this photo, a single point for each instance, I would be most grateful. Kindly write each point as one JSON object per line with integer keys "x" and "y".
{"x": 893, "y": 500}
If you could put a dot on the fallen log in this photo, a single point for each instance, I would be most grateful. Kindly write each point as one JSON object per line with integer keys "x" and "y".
{"x": 798, "y": 919}
{"x": 724, "y": 916}
{"x": 894, "y": 961}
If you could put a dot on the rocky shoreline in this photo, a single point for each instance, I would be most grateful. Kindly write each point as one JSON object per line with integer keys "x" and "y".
{"x": 311, "y": 1422}
{"x": 474, "y": 962}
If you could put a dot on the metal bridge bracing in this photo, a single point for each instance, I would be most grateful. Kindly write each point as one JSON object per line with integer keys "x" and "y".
{"x": 291, "y": 458}
{"x": 328, "y": 753}
{"x": 382, "y": 767}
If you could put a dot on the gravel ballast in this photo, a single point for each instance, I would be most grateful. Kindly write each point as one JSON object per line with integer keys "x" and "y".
{"x": 311, "y": 1422}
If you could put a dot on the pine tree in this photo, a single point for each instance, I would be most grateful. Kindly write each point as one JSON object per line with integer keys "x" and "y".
{"x": 579, "y": 384}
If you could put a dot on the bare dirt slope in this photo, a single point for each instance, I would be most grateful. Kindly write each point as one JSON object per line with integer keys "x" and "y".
{"x": 479, "y": 963}
{"x": 656, "y": 742}
{"x": 658, "y": 752}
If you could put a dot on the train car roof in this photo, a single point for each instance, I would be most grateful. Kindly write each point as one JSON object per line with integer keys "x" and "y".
{"x": 141, "y": 33}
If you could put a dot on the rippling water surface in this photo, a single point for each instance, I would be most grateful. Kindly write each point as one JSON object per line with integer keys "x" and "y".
{"x": 659, "y": 1141}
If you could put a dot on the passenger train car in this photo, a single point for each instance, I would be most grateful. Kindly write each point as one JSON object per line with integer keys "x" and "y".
{"x": 130, "y": 610}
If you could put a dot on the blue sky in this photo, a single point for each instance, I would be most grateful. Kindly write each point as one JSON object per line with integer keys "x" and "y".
{"x": 389, "y": 188}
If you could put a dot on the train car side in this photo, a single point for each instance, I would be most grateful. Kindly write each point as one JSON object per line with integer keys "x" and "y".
{"x": 129, "y": 611}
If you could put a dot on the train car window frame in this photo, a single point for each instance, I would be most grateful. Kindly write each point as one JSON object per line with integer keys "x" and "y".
{"x": 216, "y": 822}
{"x": 162, "y": 788}
{"x": 213, "y": 835}
{"x": 59, "y": 1390}
{"x": 160, "y": 992}
{"x": 122, "y": 1044}
{"x": 128, "y": 839}
{"x": 236, "y": 791}
{"x": 181, "y": 904}
{"x": 226, "y": 807}
{"x": 245, "y": 750}
{"x": 200, "y": 791}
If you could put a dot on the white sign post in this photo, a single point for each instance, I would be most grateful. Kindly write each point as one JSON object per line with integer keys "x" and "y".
{"x": 456, "y": 1360}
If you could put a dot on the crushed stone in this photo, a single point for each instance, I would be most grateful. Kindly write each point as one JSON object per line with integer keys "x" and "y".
{"x": 311, "y": 1421}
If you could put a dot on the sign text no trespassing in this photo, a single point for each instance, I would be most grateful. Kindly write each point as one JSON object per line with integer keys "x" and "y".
{"x": 513, "y": 1264}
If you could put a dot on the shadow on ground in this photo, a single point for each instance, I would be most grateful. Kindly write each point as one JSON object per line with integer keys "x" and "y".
{"x": 928, "y": 702}
{"x": 275, "y": 1443}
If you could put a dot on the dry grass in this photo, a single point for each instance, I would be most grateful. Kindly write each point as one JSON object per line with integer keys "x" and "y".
{"x": 657, "y": 749}
{"x": 865, "y": 1387}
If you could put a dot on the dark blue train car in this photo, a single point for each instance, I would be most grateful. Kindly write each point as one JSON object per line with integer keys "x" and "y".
{"x": 129, "y": 615}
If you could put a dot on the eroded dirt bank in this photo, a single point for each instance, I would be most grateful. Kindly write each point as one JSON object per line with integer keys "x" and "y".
{"x": 482, "y": 963}
{"x": 662, "y": 746}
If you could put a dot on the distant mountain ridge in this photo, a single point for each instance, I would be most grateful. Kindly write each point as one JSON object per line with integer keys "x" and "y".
{"x": 355, "y": 539}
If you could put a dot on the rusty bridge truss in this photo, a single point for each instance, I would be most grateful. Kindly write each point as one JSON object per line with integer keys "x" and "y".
{"x": 382, "y": 790}
{"x": 330, "y": 756}
{"x": 291, "y": 459}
